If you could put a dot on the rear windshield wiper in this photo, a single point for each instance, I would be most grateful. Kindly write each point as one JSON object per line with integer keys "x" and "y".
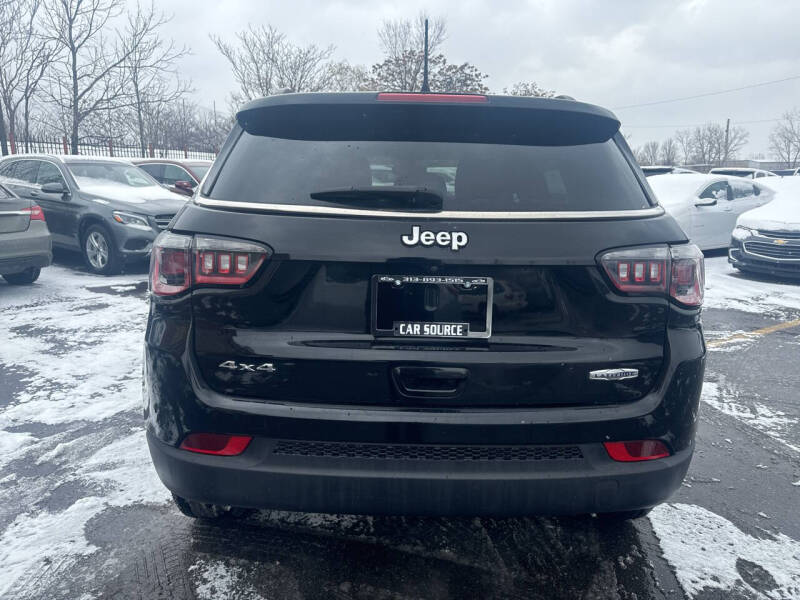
{"x": 413, "y": 198}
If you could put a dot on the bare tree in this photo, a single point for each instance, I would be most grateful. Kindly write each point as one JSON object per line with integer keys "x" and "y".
{"x": 649, "y": 153}
{"x": 402, "y": 42}
{"x": 669, "y": 152}
{"x": 345, "y": 77}
{"x": 732, "y": 142}
{"x": 263, "y": 61}
{"x": 150, "y": 66}
{"x": 24, "y": 57}
{"x": 683, "y": 138}
{"x": 528, "y": 88}
{"x": 784, "y": 140}
{"x": 90, "y": 75}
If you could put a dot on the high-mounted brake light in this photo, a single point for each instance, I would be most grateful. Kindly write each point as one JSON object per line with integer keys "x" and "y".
{"x": 637, "y": 450}
{"x": 406, "y": 97}
{"x": 36, "y": 212}
{"x": 181, "y": 261}
{"x": 218, "y": 444}
{"x": 674, "y": 270}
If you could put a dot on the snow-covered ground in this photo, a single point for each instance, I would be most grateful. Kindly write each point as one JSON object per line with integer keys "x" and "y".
{"x": 70, "y": 365}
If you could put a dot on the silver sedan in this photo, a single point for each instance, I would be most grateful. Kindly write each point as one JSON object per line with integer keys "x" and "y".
{"x": 25, "y": 244}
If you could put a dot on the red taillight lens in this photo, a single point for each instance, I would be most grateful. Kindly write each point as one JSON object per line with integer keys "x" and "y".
{"x": 225, "y": 261}
{"x": 171, "y": 264}
{"x": 36, "y": 212}
{"x": 638, "y": 269}
{"x": 180, "y": 261}
{"x": 405, "y": 97}
{"x": 687, "y": 284}
{"x": 218, "y": 444}
{"x": 677, "y": 270}
{"x": 636, "y": 451}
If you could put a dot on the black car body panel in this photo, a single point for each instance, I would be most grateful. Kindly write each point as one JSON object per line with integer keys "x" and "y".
{"x": 348, "y": 416}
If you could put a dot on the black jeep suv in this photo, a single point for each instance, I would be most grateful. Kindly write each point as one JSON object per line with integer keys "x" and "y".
{"x": 423, "y": 304}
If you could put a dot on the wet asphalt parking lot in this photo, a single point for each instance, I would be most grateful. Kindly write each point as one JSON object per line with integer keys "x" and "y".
{"x": 83, "y": 515}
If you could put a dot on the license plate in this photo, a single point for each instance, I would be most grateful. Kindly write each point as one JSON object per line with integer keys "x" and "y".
{"x": 430, "y": 306}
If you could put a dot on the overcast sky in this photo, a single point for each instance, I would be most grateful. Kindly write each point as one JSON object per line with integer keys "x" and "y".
{"x": 610, "y": 53}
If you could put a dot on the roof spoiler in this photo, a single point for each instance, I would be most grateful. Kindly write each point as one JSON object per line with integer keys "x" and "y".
{"x": 362, "y": 116}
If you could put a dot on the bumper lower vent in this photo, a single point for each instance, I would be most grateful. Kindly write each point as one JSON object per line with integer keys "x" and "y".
{"x": 426, "y": 451}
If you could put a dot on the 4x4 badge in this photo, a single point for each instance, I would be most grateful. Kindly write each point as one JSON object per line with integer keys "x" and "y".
{"x": 455, "y": 239}
{"x": 252, "y": 368}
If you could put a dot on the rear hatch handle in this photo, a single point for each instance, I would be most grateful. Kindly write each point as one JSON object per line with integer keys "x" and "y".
{"x": 429, "y": 382}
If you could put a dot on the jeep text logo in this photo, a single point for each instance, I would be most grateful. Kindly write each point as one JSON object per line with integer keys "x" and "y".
{"x": 455, "y": 240}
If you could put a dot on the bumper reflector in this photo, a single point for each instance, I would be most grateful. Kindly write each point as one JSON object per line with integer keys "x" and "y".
{"x": 218, "y": 444}
{"x": 636, "y": 451}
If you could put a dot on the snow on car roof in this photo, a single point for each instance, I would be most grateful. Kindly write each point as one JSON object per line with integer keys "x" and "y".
{"x": 678, "y": 187}
{"x": 782, "y": 214}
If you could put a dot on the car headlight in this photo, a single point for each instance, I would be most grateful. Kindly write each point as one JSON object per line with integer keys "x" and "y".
{"x": 132, "y": 220}
{"x": 742, "y": 233}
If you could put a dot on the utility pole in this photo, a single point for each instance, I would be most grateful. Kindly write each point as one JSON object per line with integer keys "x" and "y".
{"x": 727, "y": 137}
{"x": 425, "y": 88}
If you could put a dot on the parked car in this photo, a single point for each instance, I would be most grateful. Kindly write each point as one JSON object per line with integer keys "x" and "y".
{"x": 707, "y": 206}
{"x": 767, "y": 239}
{"x": 179, "y": 176}
{"x": 742, "y": 172}
{"x": 313, "y": 341}
{"x": 106, "y": 208}
{"x": 787, "y": 172}
{"x": 650, "y": 170}
{"x": 25, "y": 244}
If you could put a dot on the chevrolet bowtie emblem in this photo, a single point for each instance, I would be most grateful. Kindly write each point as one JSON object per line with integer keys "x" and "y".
{"x": 779, "y": 242}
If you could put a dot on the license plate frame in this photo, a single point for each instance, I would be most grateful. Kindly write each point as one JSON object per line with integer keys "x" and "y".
{"x": 473, "y": 284}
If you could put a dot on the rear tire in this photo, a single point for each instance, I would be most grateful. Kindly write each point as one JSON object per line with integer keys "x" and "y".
{"x": 200, "y": 510}
{"x": 100, "y": 252}
{"x": 625, "y": 515}
{"x": 26, "y": 277}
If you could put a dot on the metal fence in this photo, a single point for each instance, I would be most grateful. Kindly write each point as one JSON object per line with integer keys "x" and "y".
{"x": 62, "y": 146}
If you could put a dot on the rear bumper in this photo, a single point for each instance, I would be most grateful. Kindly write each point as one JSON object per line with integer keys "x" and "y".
{"x": 25, "y": 249}
{"x": 264, "y": 478}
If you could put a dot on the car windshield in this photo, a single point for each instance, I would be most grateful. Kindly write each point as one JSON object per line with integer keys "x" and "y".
{"x": 94, "y": 173}
{"x": 467, "y": 176}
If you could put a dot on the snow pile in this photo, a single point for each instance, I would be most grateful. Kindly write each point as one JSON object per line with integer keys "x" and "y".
{"x": 215, "y": 580}
{"x": 726, "y": 289}
{"x": 774, "y": 423}
{"x": 708, "y": 552}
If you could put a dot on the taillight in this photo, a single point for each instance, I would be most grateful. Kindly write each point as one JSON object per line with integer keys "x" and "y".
{"x": 36, "y": 212}
{"x": 676, "y": 270}
{"x": 181, "y": 261}
{"x": 224, "y": 261}
{"x": 416, "y": 97}
{"x": 687, "y": 283}
{"x": 219, "y": 444}
{"x": 636, "y": 450}
{"x": 171, "y": 264}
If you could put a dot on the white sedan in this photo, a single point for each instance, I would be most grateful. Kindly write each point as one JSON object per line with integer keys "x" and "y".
{"x": 707, "y": 206}
{"x": 767, "y": 239}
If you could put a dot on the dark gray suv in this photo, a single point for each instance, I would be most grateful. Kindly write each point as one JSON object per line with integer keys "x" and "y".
{"x": 107, "y": 208}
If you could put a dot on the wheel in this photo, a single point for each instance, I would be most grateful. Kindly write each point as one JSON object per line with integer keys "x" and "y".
{"x": 99, "y": 251}
{"x": 625, "y": 515}
{"x": 26, "y": 277}
{"x": 199, "y": 510}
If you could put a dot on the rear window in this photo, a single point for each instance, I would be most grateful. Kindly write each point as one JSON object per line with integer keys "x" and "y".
{"x": 468, "y": 176}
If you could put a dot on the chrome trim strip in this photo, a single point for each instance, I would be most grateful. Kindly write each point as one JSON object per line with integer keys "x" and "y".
{"x": 303, "y": 209}
{"x": 15, "y": 212}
